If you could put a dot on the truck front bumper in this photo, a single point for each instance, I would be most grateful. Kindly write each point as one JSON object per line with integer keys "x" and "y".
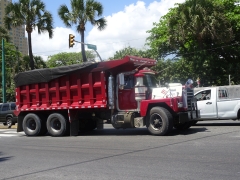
{"x": 188, "y": 116}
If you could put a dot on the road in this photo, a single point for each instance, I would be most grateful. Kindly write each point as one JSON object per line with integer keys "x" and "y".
{"x": 209, "y": 150}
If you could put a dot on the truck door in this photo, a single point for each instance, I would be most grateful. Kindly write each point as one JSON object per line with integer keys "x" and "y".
{"x": 126, "y": 96}
{"x": 206, "y": 102}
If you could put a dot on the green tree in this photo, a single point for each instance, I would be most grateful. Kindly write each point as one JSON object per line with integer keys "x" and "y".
{"x": 133, "y": 52}
{"x": 32, "y": 14}
{"x": 204, "y": 33}
{"x": 39, "y": 63}
{"x": 11, "y": 69}
{"x": 83, "y": 11}
{"x": 64, "y": 59}
{"x": 124, "y": 52}
{"x": 4, "y": 34}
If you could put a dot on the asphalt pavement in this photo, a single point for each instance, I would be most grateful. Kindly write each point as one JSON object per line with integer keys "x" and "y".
{"x": 209, "y": 150}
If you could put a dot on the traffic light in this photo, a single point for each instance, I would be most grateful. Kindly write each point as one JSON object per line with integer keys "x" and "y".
{"x": 71, "y": 40}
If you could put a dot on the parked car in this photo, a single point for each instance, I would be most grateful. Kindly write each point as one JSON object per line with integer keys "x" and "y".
{"x": 7, "y": 117}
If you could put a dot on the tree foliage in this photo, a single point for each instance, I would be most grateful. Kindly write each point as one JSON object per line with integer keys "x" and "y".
{"x": 32, "y": 14}
{"x": 39, "y": 63}
{"x": 133, "y": 52}
{"x": 11, "y": 69}
{"x": 204, "y": 34}
{"x": 64, "y": 59}
{"x": 4, "y": 34}
{"x": 81, "y": 12}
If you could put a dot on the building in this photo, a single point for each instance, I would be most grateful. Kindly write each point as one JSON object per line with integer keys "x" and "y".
{"x": 17, "y": 34}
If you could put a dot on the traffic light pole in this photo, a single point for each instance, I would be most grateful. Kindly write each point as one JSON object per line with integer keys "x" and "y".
{"x": 93, "y": 47}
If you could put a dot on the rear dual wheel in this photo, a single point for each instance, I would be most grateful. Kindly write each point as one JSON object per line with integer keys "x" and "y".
{"x": 32, "y": 125}
{"x": 57, "y": 125}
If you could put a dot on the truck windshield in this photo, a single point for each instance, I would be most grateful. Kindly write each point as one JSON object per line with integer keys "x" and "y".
{"x": 149, "y": 80}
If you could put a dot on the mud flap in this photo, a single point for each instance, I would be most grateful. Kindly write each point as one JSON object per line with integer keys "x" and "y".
{"x": 74, "y": 122}
{"x": 19, "y": 123}
{"x": 183, "y": 117}
{"x": 74, "y": 127}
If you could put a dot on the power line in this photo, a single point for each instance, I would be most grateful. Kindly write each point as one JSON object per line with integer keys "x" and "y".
{"x": 179, "y": 54}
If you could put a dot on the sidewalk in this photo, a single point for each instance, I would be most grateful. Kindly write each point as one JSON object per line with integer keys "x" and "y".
{"x": 5, "y": 127}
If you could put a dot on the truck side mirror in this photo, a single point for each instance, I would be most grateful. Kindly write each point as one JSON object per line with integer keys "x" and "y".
{"x": 121, "y": 80}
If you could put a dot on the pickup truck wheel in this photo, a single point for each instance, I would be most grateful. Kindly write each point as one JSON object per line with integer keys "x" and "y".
{"x": 183, "y": 126}
{"x": 9, "y": 122}
{"x": 56, "y": 125}
{"x": 31, "y": 125}
{"x": 160, "y": 121}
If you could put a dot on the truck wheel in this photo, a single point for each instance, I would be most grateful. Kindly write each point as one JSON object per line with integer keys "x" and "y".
{"x": 9, "y": 122}
{"x": 183, "y": 126}
{"x": 160, "y": 121}
{"x": 56, "y": 125}
{"x": 31, "y": 125}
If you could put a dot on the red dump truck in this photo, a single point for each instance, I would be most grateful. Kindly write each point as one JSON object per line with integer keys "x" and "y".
{"x": 82, "y": 97}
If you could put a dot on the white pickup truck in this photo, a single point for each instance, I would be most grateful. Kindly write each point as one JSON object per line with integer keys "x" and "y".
{"x": 216, "y": 103}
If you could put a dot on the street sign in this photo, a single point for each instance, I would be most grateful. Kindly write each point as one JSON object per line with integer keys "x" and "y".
{"x": 91, "y": 46}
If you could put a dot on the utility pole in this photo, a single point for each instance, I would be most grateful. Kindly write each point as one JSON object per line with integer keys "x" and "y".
{"x": 3, "y": 74}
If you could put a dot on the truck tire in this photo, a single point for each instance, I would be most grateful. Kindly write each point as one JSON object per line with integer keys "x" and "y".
{"x": 160, "y": 121}
{"x": 32, "y": 125}
{"x": 56, "y": 125}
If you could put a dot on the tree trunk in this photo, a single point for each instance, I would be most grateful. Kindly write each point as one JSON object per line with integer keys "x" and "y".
{"x": 30, "y": 50}
{"x": 83, "y": 47}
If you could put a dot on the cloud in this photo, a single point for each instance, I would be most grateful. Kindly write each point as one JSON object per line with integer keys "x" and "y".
{"x": 124, "y": 28}
{"x": 128, "y": 27}
{"x": 43, "y": 46}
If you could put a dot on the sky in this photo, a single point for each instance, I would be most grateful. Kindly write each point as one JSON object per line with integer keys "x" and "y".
{"x": 127, "y": 24}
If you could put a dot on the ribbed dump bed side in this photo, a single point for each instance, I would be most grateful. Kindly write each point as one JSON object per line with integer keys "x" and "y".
{"x": 75, "y": 90}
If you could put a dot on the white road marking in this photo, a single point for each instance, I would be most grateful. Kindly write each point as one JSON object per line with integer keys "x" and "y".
{"x": 7, "y": 135}
{"x": 11, "y": 132}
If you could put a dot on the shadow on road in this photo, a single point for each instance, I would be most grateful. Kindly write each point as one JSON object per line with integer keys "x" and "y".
{"x": 4, "y": 158}
{"x": 217, "y": 124}
{"x": 138, "y": 132}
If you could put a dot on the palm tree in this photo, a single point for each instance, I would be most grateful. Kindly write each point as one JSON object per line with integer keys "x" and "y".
{"x": 83, "y": 11}
{"x": 39, "y": 63}
{"x": 4, "y": 34}
{"x": 32, "y": 14}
